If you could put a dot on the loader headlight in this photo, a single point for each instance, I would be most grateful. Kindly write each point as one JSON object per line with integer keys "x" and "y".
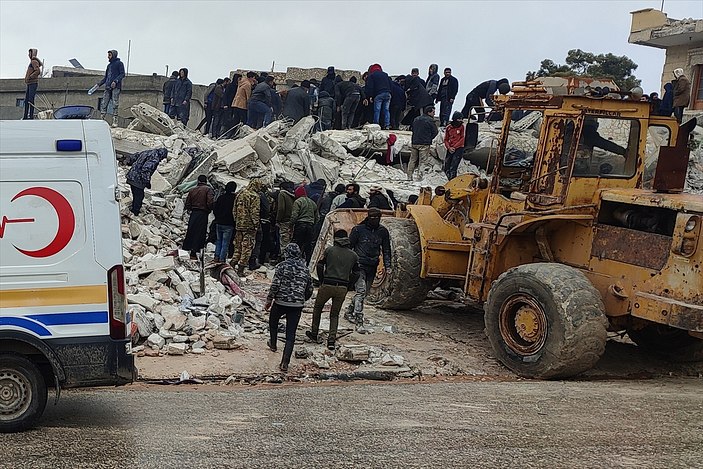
{"x": 691, "y": 224}
{"x": 689, "y": 238}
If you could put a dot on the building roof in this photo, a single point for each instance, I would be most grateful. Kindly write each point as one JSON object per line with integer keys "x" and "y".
{"x": 654, "y": 29}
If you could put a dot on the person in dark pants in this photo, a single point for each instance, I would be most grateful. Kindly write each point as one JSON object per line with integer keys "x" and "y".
{"x": 337, "y": 268}
{"x": 207, "y": 101}
{"x": 303, "y": 219}
{"x": 448, "y": 88}
{"x": 484, "y": 92}
{"x": 454, "y": 142}
{"x": 180, "y": 98}
{"x": 199, "y": 202}
{"x": 290, "y": 287}
{"x": 369, "y": 239}
{"x": 31, "y": 79}
{"x": 347, "y": 96}
{"x": 168, "y": 90}
{"x": 139, "y": 176}
{"x": 398, "y": 101}
{"x": 224, "y": 221}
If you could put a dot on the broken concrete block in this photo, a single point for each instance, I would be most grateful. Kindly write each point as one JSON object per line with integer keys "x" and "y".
{"x": 238, "y": 160}
{"x": 199, "y": 344}
{"x": 180, "y": 339}
{"x": 265, "y": 146}
{"x": 158, "y": 276}
{"x": 157, "y": 263}
{"x": 197, "y": 351}
{"x": 160, "y": 184}
{"x": 155, "y": 341}
{"x": 135, "y": 229}
{"x": 176, "y": 349}
{"x": 196, "y": 322}
{"x": 392, "y": 360}
{"x": 144, "y": 300}
{"x": 296, "y": 133}
{"x": 353, "y": 353}
{"x": 225, "y": 343}
{"x": 166, "y": 334}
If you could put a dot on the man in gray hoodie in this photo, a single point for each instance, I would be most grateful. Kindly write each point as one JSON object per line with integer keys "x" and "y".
{"x": 114, "y": 74}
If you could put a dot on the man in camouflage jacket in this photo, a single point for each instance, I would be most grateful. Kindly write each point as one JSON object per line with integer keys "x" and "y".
{"x": 246, "y": 211}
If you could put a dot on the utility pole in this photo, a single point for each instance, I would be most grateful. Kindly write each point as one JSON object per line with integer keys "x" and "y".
{"x": 129, "y": 51}
{"x": 166, "y": 71}
{"x": 662, "y": 8}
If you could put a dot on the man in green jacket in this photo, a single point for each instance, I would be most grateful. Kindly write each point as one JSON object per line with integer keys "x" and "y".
{"x": 338, "y": 268}
{"x": 303, "y": 219}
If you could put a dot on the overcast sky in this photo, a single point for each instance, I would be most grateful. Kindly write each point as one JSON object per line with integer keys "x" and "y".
{"x": 480, "y": 40}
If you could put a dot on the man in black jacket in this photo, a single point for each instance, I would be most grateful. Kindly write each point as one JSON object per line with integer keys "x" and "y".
{"x": 369, "y": 240}
{"x": 180, "y": 97}
{"x": 297, "y": 103}
{"x": 347, "y": 95}
{"x": 328, "y": 82}
{"x": 424, "y": 131}
{"x": 337, "y": 268}
{"x": 448, "y": 88}
{"x": 224, "y": 221}
{"x": 167, "y": 89}
{"x": 484, "y": 92}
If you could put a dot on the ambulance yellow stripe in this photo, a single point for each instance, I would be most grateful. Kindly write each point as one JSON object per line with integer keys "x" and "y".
{"x": 82, "y": 295}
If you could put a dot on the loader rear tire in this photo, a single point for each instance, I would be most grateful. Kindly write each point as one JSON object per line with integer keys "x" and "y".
{"x": 403, "y": 288}
{"x": 675, "y": 345}
{"x": 545, "y": 321}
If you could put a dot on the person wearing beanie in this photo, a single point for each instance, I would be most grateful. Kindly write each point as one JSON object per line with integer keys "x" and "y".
{"x": 484, "y": 92}
{"x": 199, "y": 202}
{"x": 682, "y": 93}
{"x": 454, "y": 135}
{"x": 114, "y": 74}
{"x": 369, "y": 240}
{"x": 31, "y": 79}
{"x": 303, "y": 219}
{"x": 329, "y": 81}
{"x": 224, "y": 221}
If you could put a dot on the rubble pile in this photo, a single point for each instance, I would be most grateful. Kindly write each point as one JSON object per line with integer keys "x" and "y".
{"x": 694, "y": 178}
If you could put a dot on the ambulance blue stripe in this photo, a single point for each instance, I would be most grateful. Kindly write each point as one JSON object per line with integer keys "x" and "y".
{"x": 25, "y": 324}
{"x": 65, "y": 319}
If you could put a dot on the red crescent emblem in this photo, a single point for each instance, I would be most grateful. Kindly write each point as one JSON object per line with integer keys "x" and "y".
{"x": 67, "y": 221}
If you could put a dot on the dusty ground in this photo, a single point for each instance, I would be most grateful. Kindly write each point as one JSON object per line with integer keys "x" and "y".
{"x": 439, "y": 338}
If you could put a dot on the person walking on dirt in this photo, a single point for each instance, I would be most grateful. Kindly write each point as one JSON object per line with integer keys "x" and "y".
{"x": 290, "y": 287}
{"x": 199, "y": 202}
{"x": 369, "y": 240}
{"x": 31, "y": 79}
{"x": 114, "y": 73}
{"x": 338, "y": 267}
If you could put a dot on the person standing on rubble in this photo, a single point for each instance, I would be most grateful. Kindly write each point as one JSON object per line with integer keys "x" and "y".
{"x": 424, "y": 131}
{"x": 259, "y": 251}
{"x": 369, "y": 240}
{"x": 378, "y": 90}
{"x": 329, "y": 81}
{"x": 228, "y": 104}
{"x": 31, "y": 79}
{"x": 180, "y": 100}
{"x": 303, "y": 218}
{"x": 242, "y": 97}
{"x": 199, "y": 202}
{"x": 325, "y": 111}
{"x": 114, "y": 73}
{"x": 290, "y": 288}
{"x": 418, "y": 98}
{"x": 338, "y": 267}
{"x": 398, "y": 102}
{"x": 168, "y": 91}
{"x": 207, "y": 103}
{"x": 284, "y": 209}
{"x": 247, "y": 207}
{"x": 297, "y": 103}
{"x": 448, "y": 88}
{"x": 347, "y": 95}
{"x": 139, "y": 175}
{"x": 454, "y": 136}
{"x": 484, "y": 92}
{"x": 260, "y": 103}
{"x": 432, "y": 83}
{"x": 682, "y": 93}
{"x": 224, "y": 221}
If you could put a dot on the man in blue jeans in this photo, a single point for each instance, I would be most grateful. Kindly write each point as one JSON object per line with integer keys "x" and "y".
{"x": 378, "y": 89}
{"x": 224, "y": 221}
{"x": 260, "y": 103}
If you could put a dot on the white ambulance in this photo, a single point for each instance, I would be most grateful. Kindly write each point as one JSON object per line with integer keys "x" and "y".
{"x": 63, "y": 310}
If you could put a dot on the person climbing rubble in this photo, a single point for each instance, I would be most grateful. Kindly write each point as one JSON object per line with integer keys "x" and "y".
{"x": 247, "y": 206}
{"x": 303, "y": 218}
{"x": 114, "y": 74}
{"x": 284, "y": 209}
{"x": 424, "y": 131}
{"x": 199, "y": 202}
{"x": 369, "y": 240}
{"x": 484, "y": 92}
{"x": 139, "y": 175}
{"x": 290, "y": 288}
{"x": 224, "y": 221}
{"x": 338, "y": 267}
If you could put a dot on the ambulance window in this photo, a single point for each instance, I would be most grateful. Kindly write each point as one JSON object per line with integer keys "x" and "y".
{"x": 658, "y": 136}
{"x": 607, "y": 148}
